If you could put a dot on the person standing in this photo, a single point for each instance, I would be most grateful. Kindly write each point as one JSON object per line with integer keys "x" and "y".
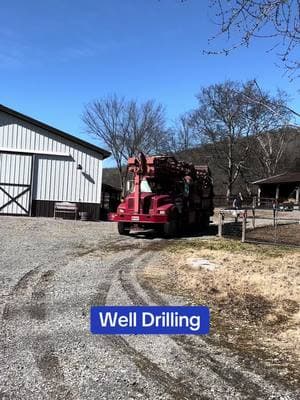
{"x": 237, "y": 205}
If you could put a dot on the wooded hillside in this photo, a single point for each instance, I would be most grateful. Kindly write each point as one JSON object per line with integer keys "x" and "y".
{"x": 251, "y": 172}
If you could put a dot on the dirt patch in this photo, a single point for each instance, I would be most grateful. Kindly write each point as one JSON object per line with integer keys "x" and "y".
{"x": 254, "y": 297}
{"x": 119, "y": 246}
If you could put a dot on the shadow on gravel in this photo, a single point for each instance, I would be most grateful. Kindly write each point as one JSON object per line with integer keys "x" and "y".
{"x": 152, "y": 234}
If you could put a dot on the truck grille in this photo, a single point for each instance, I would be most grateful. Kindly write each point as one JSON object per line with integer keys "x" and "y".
{"x": 130, "y": 204}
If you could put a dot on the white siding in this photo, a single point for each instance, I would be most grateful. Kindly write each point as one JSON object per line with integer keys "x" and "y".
{"x": 56, "y": 178}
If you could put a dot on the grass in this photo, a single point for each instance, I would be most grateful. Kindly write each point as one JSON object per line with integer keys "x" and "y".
{"x": 230, "y": 245}
{"x": 253, "y": 295}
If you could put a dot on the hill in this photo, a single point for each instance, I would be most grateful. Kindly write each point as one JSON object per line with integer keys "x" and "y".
{"x": 252, "y": 172}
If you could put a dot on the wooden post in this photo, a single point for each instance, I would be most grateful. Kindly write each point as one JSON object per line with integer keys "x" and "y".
{"x": 275, "y": 224}
{"x": 220, "y": 224}
{"x": 244, "y": 228}
{"x": 277, "y": 193}
{"x": 253, "y": 218}
{"x": 298, "y": 197}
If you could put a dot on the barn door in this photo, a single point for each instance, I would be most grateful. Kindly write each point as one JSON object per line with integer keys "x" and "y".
{"x": 15, "y": 184}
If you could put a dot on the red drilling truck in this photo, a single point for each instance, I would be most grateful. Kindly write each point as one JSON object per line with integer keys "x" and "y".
{"x": 169, "y": 196}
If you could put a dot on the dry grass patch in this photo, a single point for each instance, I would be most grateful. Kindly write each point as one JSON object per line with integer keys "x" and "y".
{"x": 253, "y": 294}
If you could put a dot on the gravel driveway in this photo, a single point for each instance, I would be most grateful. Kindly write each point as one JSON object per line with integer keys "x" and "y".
{"x": 51, "y": 271}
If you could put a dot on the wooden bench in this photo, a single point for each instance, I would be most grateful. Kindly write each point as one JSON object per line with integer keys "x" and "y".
{"x": 66, "y": 208}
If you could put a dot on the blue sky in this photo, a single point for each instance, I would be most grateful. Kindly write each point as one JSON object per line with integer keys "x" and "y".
{"x": 56, "y": 56}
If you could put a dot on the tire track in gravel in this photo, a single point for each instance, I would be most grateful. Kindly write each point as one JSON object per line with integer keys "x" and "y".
{"x": 47, "y": 361}
{"x": 137, "y": 299}
{"x": 38, "y": 308}
{"x": 45, "y": 356}
{"x": 50, "y": 369}
{"x": 174, "y": 387}
{"x": 20, "y": 288}
{"x": 44, "y": 353}
{"x": 26, "y": 282}
{"x": 99, "y": 298}
{"x": 233, "y": 377}
{"x": 35, "y": 284}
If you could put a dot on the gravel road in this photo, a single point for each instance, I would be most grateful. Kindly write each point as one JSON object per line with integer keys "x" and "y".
{"x": 51, "y": 271}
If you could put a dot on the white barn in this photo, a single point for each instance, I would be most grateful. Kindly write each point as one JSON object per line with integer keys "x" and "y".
{"x": 41, "y": 165}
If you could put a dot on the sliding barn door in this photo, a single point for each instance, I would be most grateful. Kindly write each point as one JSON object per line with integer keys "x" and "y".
{"x": 15, "y": 183}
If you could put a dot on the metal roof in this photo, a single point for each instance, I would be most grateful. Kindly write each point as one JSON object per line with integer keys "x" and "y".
{"x": 285, "y": 177}
{"x": 64, "y": 135}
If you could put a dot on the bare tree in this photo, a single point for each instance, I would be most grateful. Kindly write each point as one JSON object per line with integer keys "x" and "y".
{"x": 273, "y": 127}
{"x": 226, "y": 119}
{"x": 272, "y": 146}
{"x": 183, "y": 133}
{"x": 146, "y": 129}
{"x": 126, "y": 128}
{"x": 244, "y": 20}
{"x": 107, "y": 120}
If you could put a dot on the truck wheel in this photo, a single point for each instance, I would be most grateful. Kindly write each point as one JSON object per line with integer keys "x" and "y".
{"x": 170, "y": 229}
{"x": 123, "y": 228}
{"x": 205, "y": 221}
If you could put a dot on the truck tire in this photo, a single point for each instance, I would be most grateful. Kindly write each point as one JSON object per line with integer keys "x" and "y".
{"x": 170, "y": 229}
{"x": 123, "y": 228}
{"x": 205, "y": 222}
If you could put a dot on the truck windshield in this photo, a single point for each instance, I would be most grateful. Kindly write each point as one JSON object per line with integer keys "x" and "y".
{"x": 145, "y": 187}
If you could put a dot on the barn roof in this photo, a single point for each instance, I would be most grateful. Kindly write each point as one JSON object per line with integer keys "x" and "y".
{"x": 64, "y": 135}
{"x": 285, "y": 177}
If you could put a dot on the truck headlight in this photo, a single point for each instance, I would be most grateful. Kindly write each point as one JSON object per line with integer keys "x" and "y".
{"x": 121, "y": 210}
{"x": 162, "y": 212}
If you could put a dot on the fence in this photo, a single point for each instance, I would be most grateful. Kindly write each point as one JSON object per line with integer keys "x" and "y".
{"x": 223, "y": 201}
{"x": 268, "y": 203}
{"x": 256, "y": 202}
{"x": 261, "y": 226}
